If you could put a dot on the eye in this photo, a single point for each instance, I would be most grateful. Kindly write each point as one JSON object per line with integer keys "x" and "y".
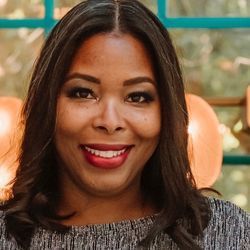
{"x": 139, "y": 97}
{"x": 82, "y": 93}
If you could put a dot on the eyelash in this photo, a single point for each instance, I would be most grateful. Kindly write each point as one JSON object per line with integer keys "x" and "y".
{"x": 78, "y": 91}
{"x": 147, "y": 98}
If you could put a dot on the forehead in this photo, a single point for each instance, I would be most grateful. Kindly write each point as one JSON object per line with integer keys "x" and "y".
{"x": 113, "y": 49}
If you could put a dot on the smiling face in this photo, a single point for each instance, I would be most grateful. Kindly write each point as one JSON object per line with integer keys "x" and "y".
{"x": 108, "y": 117}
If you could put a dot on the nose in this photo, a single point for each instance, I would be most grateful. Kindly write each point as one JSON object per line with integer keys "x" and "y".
{"x": 109, "y": 118}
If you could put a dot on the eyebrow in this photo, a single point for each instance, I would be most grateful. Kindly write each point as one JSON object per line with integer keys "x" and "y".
{"x": 89, "y": 78}
{"x": 83, "y": 77}
{"x": 139, "y": 79}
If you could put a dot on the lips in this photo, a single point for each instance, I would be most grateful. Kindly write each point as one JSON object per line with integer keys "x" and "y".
{"x": 106, "y": 156}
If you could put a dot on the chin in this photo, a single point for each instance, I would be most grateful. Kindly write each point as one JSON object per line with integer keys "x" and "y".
{"x": 109, "y": 188}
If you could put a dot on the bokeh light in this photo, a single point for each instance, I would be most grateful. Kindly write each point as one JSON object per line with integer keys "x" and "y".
{"x": 205, "y": 141}
{"x": 3, "y": 3}
{"x": 10, "y": 108}
{"x": 5, "y": 123}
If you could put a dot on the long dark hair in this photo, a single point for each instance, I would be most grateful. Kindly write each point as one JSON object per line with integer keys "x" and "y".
{"x": 166, "y": 180}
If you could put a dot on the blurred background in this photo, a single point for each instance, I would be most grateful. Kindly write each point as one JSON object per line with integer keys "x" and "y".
{"x": 215, "y": 62}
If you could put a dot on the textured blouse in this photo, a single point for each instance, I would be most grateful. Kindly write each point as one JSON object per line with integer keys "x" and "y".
{"x": 228, "y": 228}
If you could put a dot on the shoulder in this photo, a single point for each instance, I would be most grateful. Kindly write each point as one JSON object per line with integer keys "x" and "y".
{"x": 5, "y": 242}
{"x": 228, "y": 210}
{"x": 222, "y": 207}
{"x": 228, "y": 225}
{"x": 1, "y": 218}
{"x": 2, "y": 226}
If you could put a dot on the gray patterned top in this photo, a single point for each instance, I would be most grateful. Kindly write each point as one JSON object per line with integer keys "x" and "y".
{"x": 229, "y": 228}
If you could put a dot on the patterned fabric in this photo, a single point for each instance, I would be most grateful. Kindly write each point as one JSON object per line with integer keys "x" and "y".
{"x": 229, "y": 228}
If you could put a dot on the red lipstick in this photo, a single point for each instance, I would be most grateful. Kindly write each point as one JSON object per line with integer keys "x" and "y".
{"x": 106, "y": 156}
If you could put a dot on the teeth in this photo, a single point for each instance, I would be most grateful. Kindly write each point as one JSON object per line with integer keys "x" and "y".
{"x": 105, "y": 154}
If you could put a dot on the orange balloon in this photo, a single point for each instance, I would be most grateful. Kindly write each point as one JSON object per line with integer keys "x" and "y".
{"x": 10, "y": 108}
{"x": 205, "y": 141}
{"x": 248, "y": 106}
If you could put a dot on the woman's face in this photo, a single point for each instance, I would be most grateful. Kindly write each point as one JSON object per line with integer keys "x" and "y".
{"x": 108, "y": 116}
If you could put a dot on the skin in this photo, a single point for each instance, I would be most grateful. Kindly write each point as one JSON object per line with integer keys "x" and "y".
{"x": 109, "y": 114}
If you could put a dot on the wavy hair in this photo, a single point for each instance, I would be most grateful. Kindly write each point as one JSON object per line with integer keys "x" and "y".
{"x": 166, "y": 179}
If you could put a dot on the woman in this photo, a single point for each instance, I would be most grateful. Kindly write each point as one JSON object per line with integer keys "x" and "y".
{"x": 104, "y": 161}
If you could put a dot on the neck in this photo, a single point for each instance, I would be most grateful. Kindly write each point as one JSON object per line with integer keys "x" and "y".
{"x": 94, "y": 209}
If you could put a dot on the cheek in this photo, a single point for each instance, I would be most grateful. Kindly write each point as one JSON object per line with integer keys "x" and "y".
{"x": 147, "y": 125}
{"x": 65, "y": 126}
{"x": 71, "y": 118}
{"x": 150, "y": 130}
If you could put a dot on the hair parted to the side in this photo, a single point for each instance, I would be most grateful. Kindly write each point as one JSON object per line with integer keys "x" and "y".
{"x": 166, "y": 180}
